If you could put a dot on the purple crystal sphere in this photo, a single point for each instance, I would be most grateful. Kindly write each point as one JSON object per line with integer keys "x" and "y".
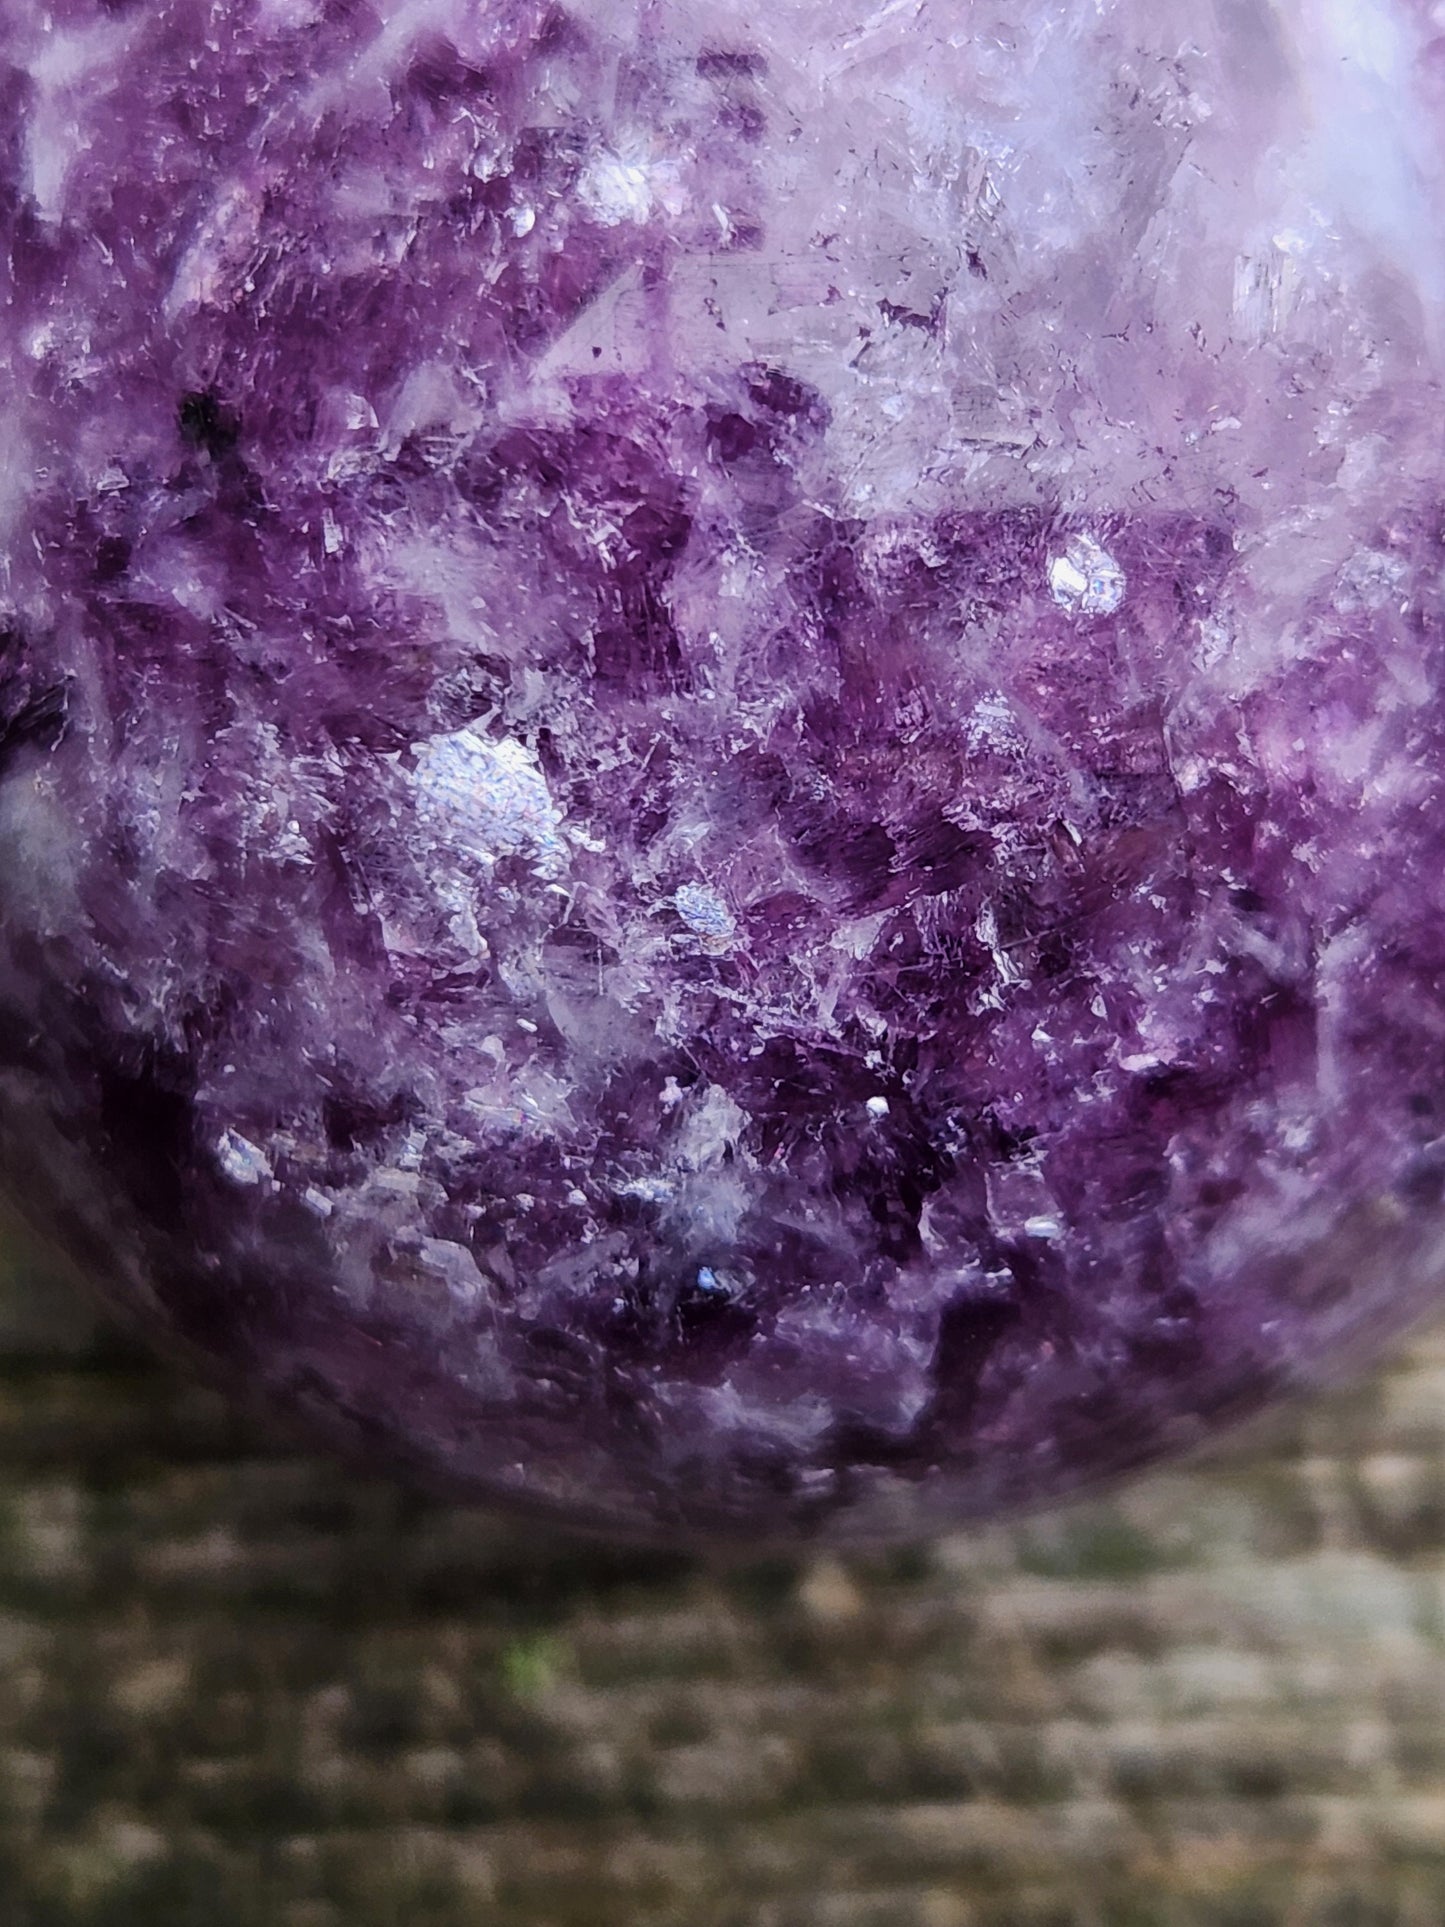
{"x": 722, "y": 767}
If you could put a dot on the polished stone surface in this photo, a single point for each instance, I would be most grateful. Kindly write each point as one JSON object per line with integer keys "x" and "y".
{"x": 722, "y": 744}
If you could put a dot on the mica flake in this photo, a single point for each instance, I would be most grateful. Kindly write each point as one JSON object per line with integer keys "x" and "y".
{"x": 486, "y": 799}
{"x": 1086, "y": 578}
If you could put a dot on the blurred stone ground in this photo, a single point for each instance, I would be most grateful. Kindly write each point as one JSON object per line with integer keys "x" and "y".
{"x": 242, "y": 1688}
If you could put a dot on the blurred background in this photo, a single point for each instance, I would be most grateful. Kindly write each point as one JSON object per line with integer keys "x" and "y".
{"x": 244, "y": 1688}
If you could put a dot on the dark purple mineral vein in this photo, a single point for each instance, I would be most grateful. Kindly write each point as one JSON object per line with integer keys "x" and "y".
{"x": 721, "y": 797}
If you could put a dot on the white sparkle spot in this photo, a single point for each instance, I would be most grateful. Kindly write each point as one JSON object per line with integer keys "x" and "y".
{"x": 1086, "y": 580}
{"x": 647, "y": 1190}
{"x": 992, "y": 724}
{"x": 240, "y": 1160}
{"x": 877, "y": 1107}
{"x": 487, "y": 799}
{"x": 705, "y": 913}
{"x": 615, "y": 190}
{"x": 359, "y": 413}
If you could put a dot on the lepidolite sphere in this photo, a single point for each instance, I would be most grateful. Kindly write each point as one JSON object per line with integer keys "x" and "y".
{"x": 722, "y": 728}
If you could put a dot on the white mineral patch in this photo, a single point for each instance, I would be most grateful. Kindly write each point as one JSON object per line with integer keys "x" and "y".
{"x": 705, "y": 913}
{"x": 1085, "y": 579}
{"x": 1048, "y": 1230}
{"x": 712, "y": 1132}
{"x": 487, "y": 799}
{"x": 240, "y": 1160}
{"x": 628, "y": 187}
{"x": 651, "y": 1190}
{"x": 993, "y": 724}
{"x": 615, "y": 190}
